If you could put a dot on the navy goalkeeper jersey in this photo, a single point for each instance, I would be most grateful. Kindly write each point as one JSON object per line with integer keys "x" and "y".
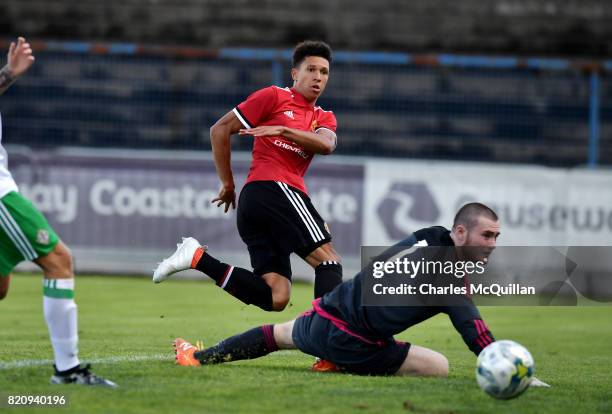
{"x": 380, "y": 323}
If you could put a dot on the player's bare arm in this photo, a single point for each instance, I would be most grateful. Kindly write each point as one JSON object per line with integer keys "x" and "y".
{"x": 6, "y": 78}
{"x": 220, "y": 134}
{"x": 19, "y": 59}
{"x": 321, "y": 142}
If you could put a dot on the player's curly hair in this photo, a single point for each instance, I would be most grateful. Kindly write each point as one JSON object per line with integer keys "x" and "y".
{"x": 311, "y": 48}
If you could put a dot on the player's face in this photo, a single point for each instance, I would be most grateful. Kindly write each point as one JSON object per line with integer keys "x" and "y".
{"x": 483, "y": 237}
{"x": 310, "y": 77}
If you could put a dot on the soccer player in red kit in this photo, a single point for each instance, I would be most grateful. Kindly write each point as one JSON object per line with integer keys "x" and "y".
{"x": 275, "y": 216}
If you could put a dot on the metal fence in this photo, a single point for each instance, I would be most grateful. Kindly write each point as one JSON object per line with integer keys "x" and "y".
{"x": 497, "y": 109}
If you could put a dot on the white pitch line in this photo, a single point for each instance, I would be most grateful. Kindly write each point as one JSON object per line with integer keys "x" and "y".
{"x": 107, "y": 360}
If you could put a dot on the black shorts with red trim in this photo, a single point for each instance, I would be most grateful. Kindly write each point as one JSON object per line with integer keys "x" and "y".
{"x": 275, "y": 220}
{"x": 318, "y": 336}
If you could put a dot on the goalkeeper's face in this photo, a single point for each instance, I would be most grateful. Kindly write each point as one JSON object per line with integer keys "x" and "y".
{"x": 482, "y": 238}
{"x": 310, "y": 77}
{"x": 477, "y": 241}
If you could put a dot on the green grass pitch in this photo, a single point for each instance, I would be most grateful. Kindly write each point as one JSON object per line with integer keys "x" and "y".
{"x": 127, "y": 324}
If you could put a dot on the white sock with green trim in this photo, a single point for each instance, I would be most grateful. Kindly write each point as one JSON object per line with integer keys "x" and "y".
{"x": 61, "y": 316}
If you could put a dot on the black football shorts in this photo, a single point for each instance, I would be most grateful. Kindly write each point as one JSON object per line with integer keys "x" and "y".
{"x": 275, "y": 220}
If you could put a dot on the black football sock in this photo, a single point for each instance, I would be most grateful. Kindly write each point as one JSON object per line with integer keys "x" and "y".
{"x": 251, "y": 344}
{"x": 328, "y": 275}
{"x": 238, "y": 282}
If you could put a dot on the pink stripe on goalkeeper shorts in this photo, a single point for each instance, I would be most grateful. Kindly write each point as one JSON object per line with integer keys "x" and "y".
{"x": 340, "y": 324}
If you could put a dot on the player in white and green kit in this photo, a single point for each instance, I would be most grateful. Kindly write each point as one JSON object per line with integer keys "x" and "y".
{"x": 25, "y": 234}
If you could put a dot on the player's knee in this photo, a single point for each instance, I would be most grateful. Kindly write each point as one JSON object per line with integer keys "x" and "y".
{"x": 281, "y": 291}
{"x": 58, "y": 263}
{"x": 322, "y": 254}
{"x": 332, "y": 256}
{"x": 435, "y": 365}
{"x": 280, "y": 300}
{"x": 64, "y": 257}
{"x": 440, "y": 367}
{"x": 424, "y": 362}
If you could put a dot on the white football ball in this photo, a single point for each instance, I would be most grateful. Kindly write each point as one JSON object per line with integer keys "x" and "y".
{"x": 504, "y": 369}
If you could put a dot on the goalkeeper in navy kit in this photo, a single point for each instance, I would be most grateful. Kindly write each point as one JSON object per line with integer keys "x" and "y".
{"x": 359, "y": 339}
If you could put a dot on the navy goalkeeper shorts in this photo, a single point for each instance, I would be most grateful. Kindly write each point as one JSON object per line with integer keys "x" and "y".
{"x": 331, "y": 340}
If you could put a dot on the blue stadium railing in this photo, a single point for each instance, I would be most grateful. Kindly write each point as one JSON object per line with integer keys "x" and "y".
{"x": 509, "y": 109}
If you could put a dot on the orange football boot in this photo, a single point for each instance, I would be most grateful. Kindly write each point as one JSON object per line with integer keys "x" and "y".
{"x": 184, "y": 353}
{"x": 322, "y": 365}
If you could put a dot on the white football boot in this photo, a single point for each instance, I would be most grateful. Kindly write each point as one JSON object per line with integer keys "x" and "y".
{"x": 181, "y": 259}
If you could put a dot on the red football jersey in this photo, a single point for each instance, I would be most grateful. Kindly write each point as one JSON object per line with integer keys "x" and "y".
{"x": 276, "y": 158}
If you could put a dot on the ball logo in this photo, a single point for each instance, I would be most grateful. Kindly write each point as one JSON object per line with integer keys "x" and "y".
{"x": 407, "y": 207}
